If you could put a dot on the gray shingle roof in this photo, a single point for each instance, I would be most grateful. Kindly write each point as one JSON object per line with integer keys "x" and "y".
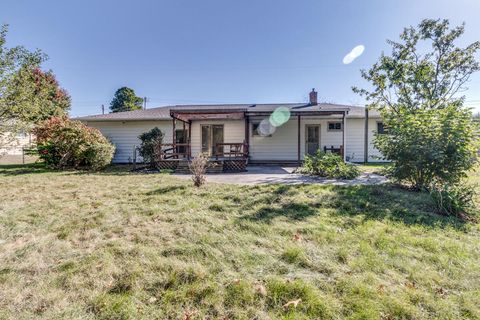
{"x": 163, "y": 113}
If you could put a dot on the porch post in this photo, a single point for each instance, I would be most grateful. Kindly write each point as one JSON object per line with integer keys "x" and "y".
{"x": 344, "y": 140}
{"x": 173, "y": 134}
{"x": 365, "y": 147}
{"x": 189, "y": 139}
{"x": 247, "y": 135}
{"x": 298, "y": 142}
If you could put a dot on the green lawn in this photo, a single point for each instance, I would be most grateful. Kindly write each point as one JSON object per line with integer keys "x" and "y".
{"x": 116, "y": 245}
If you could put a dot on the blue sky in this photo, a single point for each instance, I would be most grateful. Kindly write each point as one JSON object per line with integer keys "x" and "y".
{"x": 219, "y": 51}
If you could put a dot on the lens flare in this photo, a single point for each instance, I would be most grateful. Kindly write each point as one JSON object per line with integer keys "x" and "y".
{"x": 280, "y": 116}
{"x": 265, "y": 129}
{"x": 354, "y": 54}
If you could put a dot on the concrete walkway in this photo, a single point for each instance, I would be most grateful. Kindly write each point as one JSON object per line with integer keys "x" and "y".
{"x": 284, "y": 175}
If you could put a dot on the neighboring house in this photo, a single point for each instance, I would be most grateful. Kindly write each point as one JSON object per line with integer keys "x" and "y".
{"x": 13, "y": 144}
{"x": 264, "y": 133}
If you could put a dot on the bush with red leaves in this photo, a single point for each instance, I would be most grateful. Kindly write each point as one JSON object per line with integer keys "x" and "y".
{"x": 64, "y": 144}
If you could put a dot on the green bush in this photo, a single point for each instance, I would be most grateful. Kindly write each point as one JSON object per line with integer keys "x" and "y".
{"x": 329, "y": 165}
{"x": 64, "y": 143}
{"x": 150, "y": 141}
{"x": 456, "y": 200}
{"x": 426, "y": 146}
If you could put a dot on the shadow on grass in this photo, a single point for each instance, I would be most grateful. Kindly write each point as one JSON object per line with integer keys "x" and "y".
{"x": 293, "y": 211}
{"x": 388, "y": 202}
{"x": 165, "y": 190}
{"x": 374, "y": 202}
{"x": 22, "y": 169}
{"x": 32, "y": 168}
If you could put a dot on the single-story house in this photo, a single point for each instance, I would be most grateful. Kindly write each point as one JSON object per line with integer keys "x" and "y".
{"x": 12, "y": 144}
{"x": 260, "y": 133}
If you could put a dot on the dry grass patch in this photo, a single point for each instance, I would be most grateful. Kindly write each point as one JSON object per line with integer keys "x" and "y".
{"x": 131, "y": 246}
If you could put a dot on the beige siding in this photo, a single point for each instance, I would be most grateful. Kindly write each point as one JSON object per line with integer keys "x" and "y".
{"x": 233, "y": 131}
{"x": 355, "y": 143}
{"x": 283, "y": 143}
{"x": 124, "y": 135}
{"x": 281, "y": 146}
{"x": 12, "y": 144}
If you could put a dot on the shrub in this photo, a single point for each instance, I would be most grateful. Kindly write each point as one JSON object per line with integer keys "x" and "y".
{"x": 456, "y": 200}
{"x": 429, "y": 145}
{"x": 151, "y": 140}
{"x": 64, "y": 143}
{"x": 198, "y": 167}
{"x": 329, "y": 165}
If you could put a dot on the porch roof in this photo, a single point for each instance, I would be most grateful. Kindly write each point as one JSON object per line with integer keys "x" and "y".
{"x": 207, "y": 114}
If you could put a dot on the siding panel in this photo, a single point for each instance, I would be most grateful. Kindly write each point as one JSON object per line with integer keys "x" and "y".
{"x": 124, "y": 135}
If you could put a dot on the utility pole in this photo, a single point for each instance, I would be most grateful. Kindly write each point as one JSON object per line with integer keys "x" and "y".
{"x": 103, "y": 109}
{"x": 145, "y": 103}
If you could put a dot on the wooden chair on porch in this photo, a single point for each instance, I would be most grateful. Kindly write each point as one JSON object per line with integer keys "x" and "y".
{"x": 333, "y": 149}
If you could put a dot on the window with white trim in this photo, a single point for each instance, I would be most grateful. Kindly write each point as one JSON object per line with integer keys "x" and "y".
{"x": 335, "y": 126}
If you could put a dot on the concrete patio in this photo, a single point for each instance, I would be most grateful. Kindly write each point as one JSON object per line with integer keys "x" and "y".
{"x": 276, "y": 175}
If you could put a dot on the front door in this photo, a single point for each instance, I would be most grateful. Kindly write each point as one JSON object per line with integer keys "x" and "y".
{"x": 211, "y": 135}
{"x": 312, "y": 138}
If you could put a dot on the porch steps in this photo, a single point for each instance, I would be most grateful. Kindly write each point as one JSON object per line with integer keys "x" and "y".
{"x": 182, "y": 167}
{"x": 213, "y": 167}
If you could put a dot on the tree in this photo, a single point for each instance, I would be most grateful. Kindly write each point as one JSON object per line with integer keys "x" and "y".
{"x": 28, "y": 95}
{"x": 36, "y": 96}
{"x": 125, "y": 100}
{"x": 12, "y": 62}
{"x": 431, "y": 137}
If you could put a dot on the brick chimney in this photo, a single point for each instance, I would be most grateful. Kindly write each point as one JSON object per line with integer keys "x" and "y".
{"x": 313, "y": 97}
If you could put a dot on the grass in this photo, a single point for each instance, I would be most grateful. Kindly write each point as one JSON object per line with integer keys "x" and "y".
{"x": 116, "y": 245}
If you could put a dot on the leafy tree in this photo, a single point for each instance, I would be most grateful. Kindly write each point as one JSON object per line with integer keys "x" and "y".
{"x": 36, "y": 96}
{"x": 28, "y": 95}
{"x": 125, "y": 100}
{"x": 14, "y": 119}
{"x": 431, "y": 137}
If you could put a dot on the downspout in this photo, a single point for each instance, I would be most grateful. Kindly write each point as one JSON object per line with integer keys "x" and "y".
{"x": 344, "y": 147}
{"x": 365, "y": 150}
{"x": 298, "y": 143}
{"x": 247, "y": 136}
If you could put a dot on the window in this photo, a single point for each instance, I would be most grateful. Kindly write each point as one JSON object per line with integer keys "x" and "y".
{"x": 334, "y": 126}
{"x": 381, "y": 128}
{"x": 256, "y": 132}
{"x": 255, "y": 129}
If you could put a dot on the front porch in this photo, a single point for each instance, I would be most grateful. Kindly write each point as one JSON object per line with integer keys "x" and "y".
{"x": 227, "y": 157}
{"x": 231, "y": 138}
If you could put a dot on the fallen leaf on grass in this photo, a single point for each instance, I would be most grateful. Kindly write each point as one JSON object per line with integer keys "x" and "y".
{"x": 152, "y": 299}
{"x": 261, "y": 290}
{"x": 440, "y": 291}
{"x": 381, "y": 289}
{"x": 189, "y": 314}
{"x": 293, "y": 303}
{"x": 297, "y": 237}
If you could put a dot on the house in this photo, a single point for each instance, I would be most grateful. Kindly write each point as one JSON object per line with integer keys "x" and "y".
{"x": 12, "y": 144}
{"x": 259, "y": 133}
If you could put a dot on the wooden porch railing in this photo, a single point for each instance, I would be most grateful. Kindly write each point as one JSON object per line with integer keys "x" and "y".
{"x": 173, "y": 151}
{"x": 333, "y": 149}
{"x": 167, "y": 151}
{"x": 231, "y": 150}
